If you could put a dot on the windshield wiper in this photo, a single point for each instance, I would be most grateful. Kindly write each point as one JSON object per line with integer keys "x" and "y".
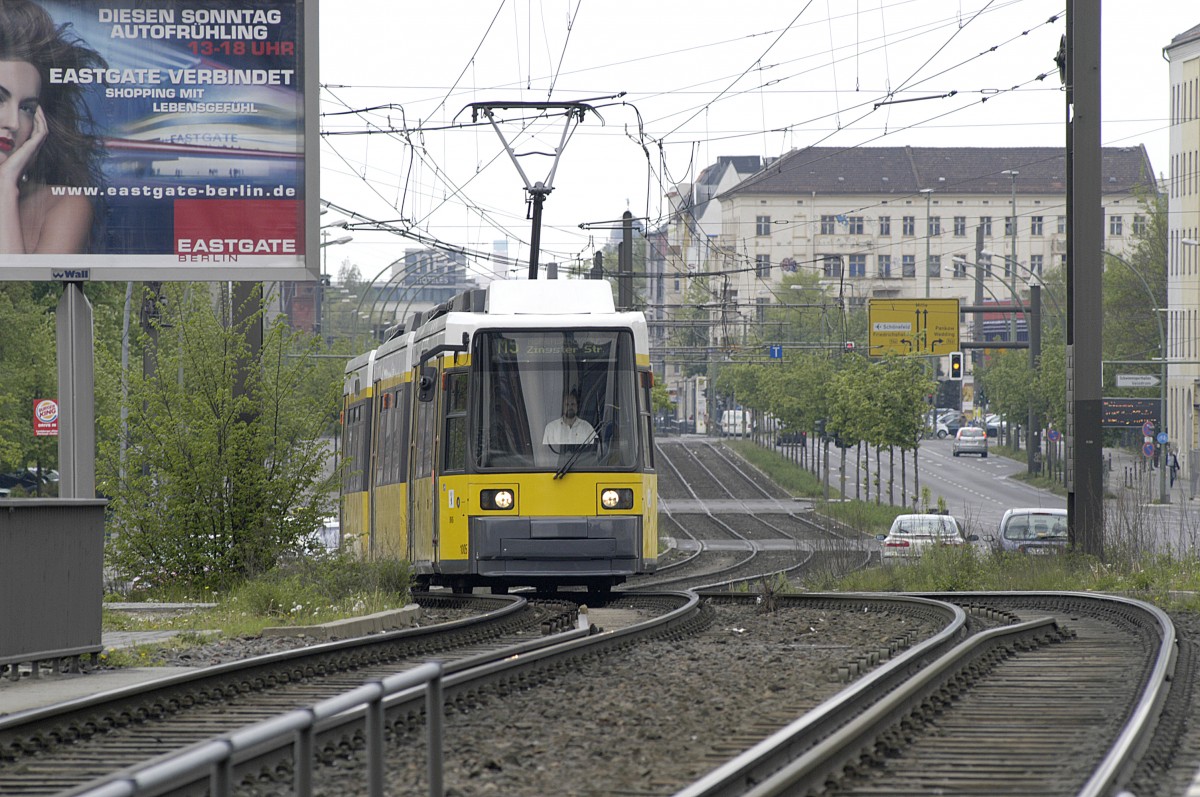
{"x": 566, "y": 466}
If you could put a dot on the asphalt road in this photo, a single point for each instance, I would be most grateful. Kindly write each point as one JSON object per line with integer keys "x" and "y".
{"x": 977, "y": 491}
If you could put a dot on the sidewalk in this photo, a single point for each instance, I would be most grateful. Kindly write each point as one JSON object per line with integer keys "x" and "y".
{"x": 1128, "y": 473}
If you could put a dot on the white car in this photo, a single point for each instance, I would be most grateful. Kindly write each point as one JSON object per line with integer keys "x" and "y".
{"x": 911, "y": 535}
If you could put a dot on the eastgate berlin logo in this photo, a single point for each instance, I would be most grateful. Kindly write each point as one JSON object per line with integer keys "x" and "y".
{"x": 236, "y": 246}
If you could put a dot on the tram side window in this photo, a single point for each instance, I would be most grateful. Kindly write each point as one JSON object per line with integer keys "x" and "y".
{"x": 393, "y": 429}
{"x": 454, "y": 442}
{"x": 399, "y": 440}
{"x": 383, "y": 449}
{"x": 357, "y": 448}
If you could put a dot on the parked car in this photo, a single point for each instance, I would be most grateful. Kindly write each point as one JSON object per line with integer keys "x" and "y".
{"x": 786, "y": 437}
{"x": 736, "y": 423}
{"x": 911, "y": 535}
{"x": 994, "y": 424}
{"x": 948, "y": 427}
{"x": 971, "y": 440}
{"x": 1035, "y": 530}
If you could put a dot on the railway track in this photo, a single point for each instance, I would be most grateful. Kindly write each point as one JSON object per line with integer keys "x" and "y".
{"x": 1062, "y": 699}
{"x": 51, "y": 750}
{"x": 982, "y": 695}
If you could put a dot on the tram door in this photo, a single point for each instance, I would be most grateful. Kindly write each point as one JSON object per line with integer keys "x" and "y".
{"x": 423, "y": 505}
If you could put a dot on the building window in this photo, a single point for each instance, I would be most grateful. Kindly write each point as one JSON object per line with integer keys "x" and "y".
{"x": 1116, "y": 226}
{"x": 908, "y": 265}
{"x": 885, "y": 225}
{"x": 858, "y": 265}
{"x": 960, "y": 226}
{"x": 856, "y": 225}
{"x": 1035, "y": 264}
{"x": 960, "y": 267}
{"x": 986, "y": 223}
{"x": 762, "y": 265}
{"x": 1010, "y": 226}
{"x": 832, "y": 265}
{"x": 1139, "y": 225}
{"x": 1062, "y": 260}
{"x": 762, "y": 225}
{"x": 986, "y": 262}
{"x": 827, "y": 225}
{"x": 761, "y": 304}
{"x": 935, "y": 265}
{"x": 935, "y": 225}
{"x": 1035, "y": 225}
{"x": 909, "y": 225}
{"x": 885, "y": 265}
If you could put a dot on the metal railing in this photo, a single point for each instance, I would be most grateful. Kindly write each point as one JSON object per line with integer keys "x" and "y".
{"x": 218, "y": 756}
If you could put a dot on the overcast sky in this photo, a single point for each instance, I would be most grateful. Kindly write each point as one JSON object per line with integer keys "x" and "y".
{"x": 675, "y": 84}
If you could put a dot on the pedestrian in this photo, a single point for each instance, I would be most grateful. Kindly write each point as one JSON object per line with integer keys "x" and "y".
{"x": 1173, "y": 464}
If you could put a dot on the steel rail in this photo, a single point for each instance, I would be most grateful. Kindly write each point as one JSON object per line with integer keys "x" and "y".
{"x": 365, "y": 711}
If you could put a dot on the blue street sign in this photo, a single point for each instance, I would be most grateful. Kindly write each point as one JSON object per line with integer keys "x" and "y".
{"x": 1162, "y": 438}
{"x": 1148, "y": 449}
{"x": 776, "y": 352}
{"x": 1148, "y": 428}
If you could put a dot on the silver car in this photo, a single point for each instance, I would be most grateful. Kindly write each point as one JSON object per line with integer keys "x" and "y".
{"x": 971, "y": 440}
{"x": 911, "y": 535}
{"x": 1034, "y": 530}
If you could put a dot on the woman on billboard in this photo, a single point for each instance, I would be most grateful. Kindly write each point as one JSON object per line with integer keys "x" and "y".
{"x": 43, "y": 147}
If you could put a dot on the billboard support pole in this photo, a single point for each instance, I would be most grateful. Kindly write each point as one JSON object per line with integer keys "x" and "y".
{"x": 76, "y": 394}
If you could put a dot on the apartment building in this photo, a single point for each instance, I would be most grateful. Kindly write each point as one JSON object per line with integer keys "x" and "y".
{"x": 909, "y": 222}
{"x": 1183, "y": 255}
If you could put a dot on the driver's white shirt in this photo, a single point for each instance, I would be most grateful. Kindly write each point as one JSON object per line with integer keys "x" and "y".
{"x": 558, "y": 433}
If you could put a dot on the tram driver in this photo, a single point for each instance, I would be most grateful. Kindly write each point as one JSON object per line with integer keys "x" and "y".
{"x": 569, "y": 428}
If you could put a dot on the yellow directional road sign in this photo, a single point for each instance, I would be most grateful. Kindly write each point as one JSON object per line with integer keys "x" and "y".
{"x": 912, "y": 326}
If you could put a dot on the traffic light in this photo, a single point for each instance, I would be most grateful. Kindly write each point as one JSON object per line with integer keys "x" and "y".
{"x": 956, "y": 365}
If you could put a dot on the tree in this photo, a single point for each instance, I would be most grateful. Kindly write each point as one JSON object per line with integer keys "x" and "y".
{"x": 27, "y": 361}
{"x": 691, "y": 332}
{"x": 218, "y": 481}
{"x": 1135, "y": 288}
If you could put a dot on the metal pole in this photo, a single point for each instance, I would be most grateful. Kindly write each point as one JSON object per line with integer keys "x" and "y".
{"x": 1012, "y": 318}
{"x": 1032, "y": 433}
{"x": 1085, "y": 306}
{"x": 928, "y": 192}
{"x": 538, "y": 192}
{"x": 625, "y": 264}
{"x": 76, "y": 395}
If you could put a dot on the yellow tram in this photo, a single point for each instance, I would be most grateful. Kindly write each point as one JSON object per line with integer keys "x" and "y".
{"x": 504, "y": 439}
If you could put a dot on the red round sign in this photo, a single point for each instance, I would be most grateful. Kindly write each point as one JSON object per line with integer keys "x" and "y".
{"x": 46, "y": 410}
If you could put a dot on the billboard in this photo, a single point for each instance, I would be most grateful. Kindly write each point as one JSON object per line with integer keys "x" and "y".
{"x": 169, "y": 141}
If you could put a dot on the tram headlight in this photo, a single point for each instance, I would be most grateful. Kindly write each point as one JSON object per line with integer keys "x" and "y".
{"x": 497, "y": 499}
{"x": 616, "y": 498}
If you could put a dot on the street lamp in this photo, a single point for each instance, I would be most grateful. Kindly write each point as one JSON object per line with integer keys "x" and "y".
{"x": 345, "y": 239}
{"x": 928, "y": 192}
{"x": 1013, "y": 233}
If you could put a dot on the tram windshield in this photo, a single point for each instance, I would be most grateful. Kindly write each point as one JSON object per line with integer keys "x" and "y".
{"x": 553, "y": 399}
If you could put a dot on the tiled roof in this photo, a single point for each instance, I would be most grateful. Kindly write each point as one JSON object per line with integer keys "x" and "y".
{"x": 958, "y": 170}
{"x": 1186, "y": 36}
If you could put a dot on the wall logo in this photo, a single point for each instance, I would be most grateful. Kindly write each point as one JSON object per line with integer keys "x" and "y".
{"x": 45, "y": 417}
